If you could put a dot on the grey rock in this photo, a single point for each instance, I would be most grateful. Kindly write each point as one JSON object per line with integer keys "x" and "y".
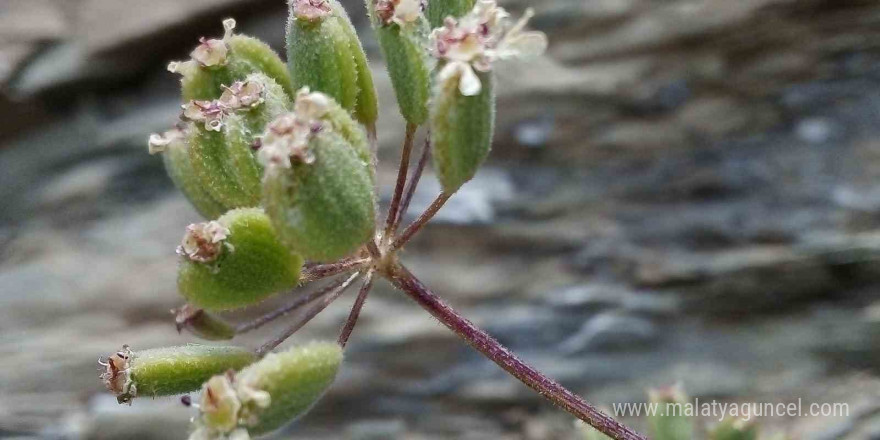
{"x": 611, "y": 331}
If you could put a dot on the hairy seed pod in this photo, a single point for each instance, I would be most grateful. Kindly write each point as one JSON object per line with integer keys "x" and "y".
{"x": 175, "y": 155}
{"x": 732, "y": 428}
{"x": 322, "y": 204}
{"x": 219, "y": 62}
{"x": 235, "y": 261}
{"x": 224, "y": 135}
{"x": 366, "y": 109}
{"x": 404, "y": 45}
{"x": 268, "y": 394}
{"x": 438, "y": 10}
{"x": 168, "y": 371}
{"x": 669, "y": 423}
{"x": 202, "y": 324}
{"x": 319, "y": 54}
{"x": 461, "y": 130}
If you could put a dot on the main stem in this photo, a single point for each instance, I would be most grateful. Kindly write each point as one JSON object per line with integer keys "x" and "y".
{"x": 501, "y": 355}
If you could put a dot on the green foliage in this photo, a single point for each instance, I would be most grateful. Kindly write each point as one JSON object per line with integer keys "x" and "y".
{"x": 247, "y": 266}
{"x": 461, "y": 130}
{"x": 324, "y": 209}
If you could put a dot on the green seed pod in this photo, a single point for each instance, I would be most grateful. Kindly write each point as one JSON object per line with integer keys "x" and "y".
{"x": 734, "y": 429}
{"x": 168, "y": 371}
{"x": 219, "y": 62}
{"x": 202, "y": 324}
{"x": 319, "y": 54}
{"x": 338, "y": 120}
{"x": 438, "y": 10}
{"x": 175, "y": 156}
{"x": 320, "y": 198}
{"x": 367, "y": 107}
{"x": 461, "y": 130}
{"x": 223, "y": 138}
{"x": 235, "y": 261}
{"x": 670, "y": 422}
{"x": 403, "y": 38}
{"x": 268, "y": 394}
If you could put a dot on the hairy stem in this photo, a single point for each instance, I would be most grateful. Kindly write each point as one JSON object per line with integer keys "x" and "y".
{"x": 320, "y": 271}
{"x": 413, "y": 183}
{"x": 356, "y": 310}
{"x": 309, "y": 314}
{"x": 492, "y": 349}
{"x": 421, "y": 221}
{"x": 401, "y": 180}
{"x": 294, "y": 305}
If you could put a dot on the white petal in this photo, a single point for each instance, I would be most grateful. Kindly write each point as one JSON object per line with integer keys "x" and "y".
{"x": 469, "y": 83}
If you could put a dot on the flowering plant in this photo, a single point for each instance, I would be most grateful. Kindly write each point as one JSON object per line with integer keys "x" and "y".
{"x": 280, "y": 159}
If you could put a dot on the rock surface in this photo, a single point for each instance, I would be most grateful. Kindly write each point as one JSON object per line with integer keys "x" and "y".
{"x": 679, "y": 191}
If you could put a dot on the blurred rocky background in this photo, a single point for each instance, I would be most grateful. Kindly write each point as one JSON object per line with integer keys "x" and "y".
{"x": 681, "y": 190}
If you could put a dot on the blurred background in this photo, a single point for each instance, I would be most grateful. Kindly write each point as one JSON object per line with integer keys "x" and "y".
{"x": 680, "y": 190}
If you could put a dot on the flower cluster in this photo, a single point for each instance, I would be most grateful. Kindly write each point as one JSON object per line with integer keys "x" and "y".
{"x": 228, "y": 402}
{"x": 478, "y": 39}
{"x": 401, "y": 12}
{"x": 240, "y": 95}
{"x": 287, "y": 137}
{"x": 203, "y": 242}
{"x": 310, "y": 10}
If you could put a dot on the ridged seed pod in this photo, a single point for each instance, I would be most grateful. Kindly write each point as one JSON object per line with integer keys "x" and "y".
{"x": 169, "y": 370}
{"x": 670, "y": 421}
{"x": 175, "y": 155}
{"x": 323, "y": 206}
{"x": 438, "y": 10}
{"x": 461, "y": 130}
{"x": 220, "y": 62}
{"x": 366, "y": 109}
{"x": 224, "y": 136}
{"x": 403, "y": 44}
{"x": 235, "y": 261}
{"x": 202, "y": 324}
{"x": 268, "y": 394}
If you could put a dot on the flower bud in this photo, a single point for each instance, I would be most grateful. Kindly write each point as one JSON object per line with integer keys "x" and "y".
{"x": 317, "y": 190}
{"x": 402, "y": 32}
{"x": 461, "y": 130}
{"x": 175, "y": 155}
{"x": 732, "y": 428}
{"x": 169, "y": 370}
{"x": 670, "y": 422}
{"x": 324, "y": 54}
{"x": 268, "y": 394}
{"x": 235, "y": 261}
{"x": 217, "y": 63}
{"x": 224, "y": 137}
{"x": 202, "y": 324}
{"x": 438, "y": 10}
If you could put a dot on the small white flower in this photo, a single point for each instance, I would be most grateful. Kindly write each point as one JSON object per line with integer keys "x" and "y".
{"x": 220, "y": 405}
{"x": 248, "y": 391}
{"x": 310, "y": 105}
{"x": 203, "y": 242}
{"x": 159, "y": 143}
{"x": 211, "y": 113}
{"x": 214, "y": 52}
{"x": 402, "y": 12}
{"x": 478, "y": 39}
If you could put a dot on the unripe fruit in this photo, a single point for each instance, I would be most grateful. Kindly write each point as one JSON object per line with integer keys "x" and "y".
{"x": 268, "y": 394}
{"x": 438, "y": 10}
{"x": 220, "y": 62}
{"x": 325, "y": 55}
{"x": 235, "y": 261}
{"x": 175, "y": 155}
{"x": 404, "y": 44}
{"x": 225, "y": 133}
{"x": 322, "y": 205}
{"x": 169, "y": 370}
{"x": 202, "y": 324}
{"x": 461, "y": 130}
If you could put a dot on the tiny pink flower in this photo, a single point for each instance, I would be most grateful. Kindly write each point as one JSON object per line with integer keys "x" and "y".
{"x": 203, "y": 242}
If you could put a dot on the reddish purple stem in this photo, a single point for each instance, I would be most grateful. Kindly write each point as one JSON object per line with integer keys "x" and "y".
{"x": 491, "y": 348}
